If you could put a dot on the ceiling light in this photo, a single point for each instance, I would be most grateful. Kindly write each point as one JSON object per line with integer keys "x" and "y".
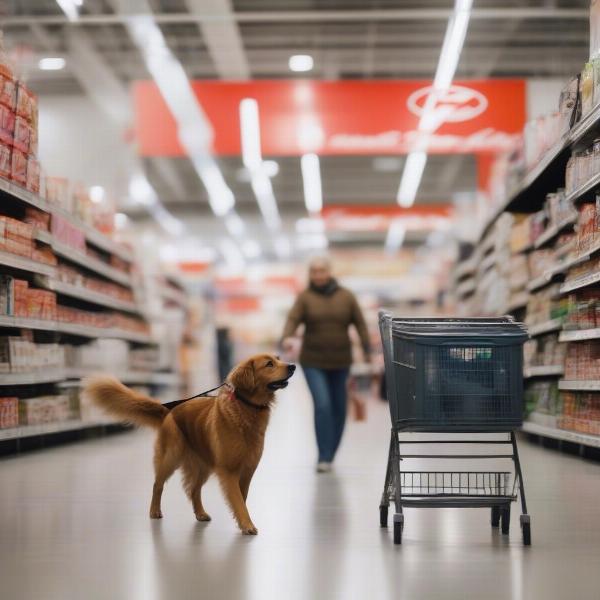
{"x": 250, "y": 131}
{"x": 411, "y": 178}
{"x": 311, "y": 177}
{"x": 300, "y": 63}
{"x": 52, "y": 63}
{"x": 140, "y": 190}
{"x": 234, "y": 224}
{"x": 395, "y": 237}
{"x": 232, "y": 255}
{"x": 251, "y": 249}
{"x": 96, "y": 194}
{"x": 270, "y": 168}
{"x": 70, "y": 8}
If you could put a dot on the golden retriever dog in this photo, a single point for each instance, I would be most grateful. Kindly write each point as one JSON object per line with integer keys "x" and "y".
{"x": 223, "y": 434}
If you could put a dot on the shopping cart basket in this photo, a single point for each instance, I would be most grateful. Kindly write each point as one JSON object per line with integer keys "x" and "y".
{"x": 454, "y": 376}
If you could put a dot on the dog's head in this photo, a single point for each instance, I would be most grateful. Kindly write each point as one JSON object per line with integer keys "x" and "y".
{"x": 261, "y": 374}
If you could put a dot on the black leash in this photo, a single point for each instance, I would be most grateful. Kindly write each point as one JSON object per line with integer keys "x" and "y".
{"x": 174, "y": 403}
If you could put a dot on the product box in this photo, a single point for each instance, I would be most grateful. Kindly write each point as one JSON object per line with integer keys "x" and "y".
{"x": 5, "y": 161}
{"x": 6, "y": 295}
{"x": 18, "y": 171}
{"x": 33, "y": 175}
{"x": 57, "y": 191}
{"x": 7, "y": 125}
{"x": 22, "y": 135}
{"x": 37, "y": 218}
{"x": 8, "y": 92}
{"x": 44, "y": 409}
{"x": 586, "y": 88}
{"x": 26, "y": 103}
{"x": 9, "y": 412}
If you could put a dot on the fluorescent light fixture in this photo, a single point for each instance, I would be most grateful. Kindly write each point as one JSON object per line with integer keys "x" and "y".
{"x": 270, "y": 168}
{"x": 166, "y": 220}
{"x": 140, "y": 190}
{"x": 121, "y": 220}
{"x": 311, "y": 177}
{"x": 454, "y": 40}
{"x": 431, "y": 119}
{"x": 263, "y": 190}
{"x": 70, "y": 8}
{"x": 234, "y": 224}
{"x": 395, "y": 237}
{"x": 96, "y": 194}
{"x": 251, "y": 249}
{"x": 220, "y": 197}
{"x": 411, "y": 178}
{"x": 300, "y": 63}
{"x": 52, "y": 63}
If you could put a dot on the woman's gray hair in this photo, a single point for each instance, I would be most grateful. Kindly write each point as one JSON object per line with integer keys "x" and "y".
{"x": 320, "y": 260}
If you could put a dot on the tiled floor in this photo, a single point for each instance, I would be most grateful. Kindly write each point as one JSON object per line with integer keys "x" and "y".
{"x": 74, "y": 525}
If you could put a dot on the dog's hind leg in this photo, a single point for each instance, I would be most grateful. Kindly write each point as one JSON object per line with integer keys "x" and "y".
{"x": 167, "y": 457}
{"x": 195, "y": 474}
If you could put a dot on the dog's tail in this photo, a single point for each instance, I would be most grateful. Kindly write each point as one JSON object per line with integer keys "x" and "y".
{"x": 122, "y": 402}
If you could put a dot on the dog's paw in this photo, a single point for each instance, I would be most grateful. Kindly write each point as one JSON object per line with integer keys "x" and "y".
{"x": 156, "y": 514}
{"x": 203, "y": 517}
{"x": 251, "y": 530}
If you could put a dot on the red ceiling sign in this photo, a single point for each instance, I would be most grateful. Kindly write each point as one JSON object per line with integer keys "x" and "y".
{"x": 340, "y": 117}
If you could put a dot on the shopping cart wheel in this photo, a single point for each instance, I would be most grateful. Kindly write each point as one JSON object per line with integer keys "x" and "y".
{"x": 495, "y": 516}
{"x": 505, "y": 514}
{"x": 398, "y": 527}
{"x": 526, "y": 529}
{"x": 383, "y": 516}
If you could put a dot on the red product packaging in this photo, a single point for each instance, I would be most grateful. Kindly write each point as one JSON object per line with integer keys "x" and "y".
{"x": 18, "y": 170}
{"x": 22, "y": 135}
{"x": 8, "y": 92}
{"x": 57, "y": 190}
{"x": 9, "y": 412}
{"x": 26, "y": 103}
{"x": 33, "y": 175}
{"x": 7, "y": 125}
{"x": 5, "y": 161}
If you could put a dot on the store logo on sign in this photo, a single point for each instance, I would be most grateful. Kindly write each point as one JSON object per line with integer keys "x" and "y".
{"x": 457, "y": 104}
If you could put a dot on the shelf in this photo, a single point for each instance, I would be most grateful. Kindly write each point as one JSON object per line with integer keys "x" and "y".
{"x": 91, "y": 263}
{"x": 488, "y": 262}
{"x": 543, "y": 371}
{"x": 554, "y": 230}
{"x": 174, "y": 296}
{"x": 562, "y": 434}
{"x": 82, "y": 293}
{"x": 41, "y": 235}
{"x": 74, "y": 329}
{"x": 48, "y": 428}
{"x": 583, "y": 189}
{"x": 128, "y": 377}
{"x": 50, "y": 375}
{"x": 585, "y": 126}
{"x": 546, "y": 327}
{"x": 580, "y": 282}
{"x": 23, "y": 195}
{"x": 519, "y": 301}
{"x": 579, "y": 385}
{"x": 465, "y": 288}
{"x": 464, "y": 268}
{"x": 539, "y": 282}
{"x": 579, "y": 335}
{"x": 14, "y": 261}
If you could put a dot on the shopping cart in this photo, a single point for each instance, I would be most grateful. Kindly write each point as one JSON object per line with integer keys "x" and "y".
{"x": 454, "y": 376}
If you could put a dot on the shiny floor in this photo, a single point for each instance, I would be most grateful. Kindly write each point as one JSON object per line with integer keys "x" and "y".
{"x": 74, "y": 525}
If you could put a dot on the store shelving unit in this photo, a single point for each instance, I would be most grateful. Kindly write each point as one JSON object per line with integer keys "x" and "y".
{"x": 44, "y": 276}
{"x": 471, "y": 275}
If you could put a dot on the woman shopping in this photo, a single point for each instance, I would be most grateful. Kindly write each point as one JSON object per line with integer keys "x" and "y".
{"x": 326, "y": 310}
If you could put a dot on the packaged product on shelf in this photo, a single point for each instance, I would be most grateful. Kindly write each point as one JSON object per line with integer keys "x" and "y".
{"x": 587, "y": 229}
{"x": 18, "y": 167}
{"x": 8, "y": 92}
{"x": 33, "y": 175}
{"x": 586, "y": 88}
{"x": 57, "y": 192}
{"x": 45, "y": 255}
{"x": 520, "y": 235}
{"x": 44, "y": 409}
{"x": 39, "y": 219}
{"x": 580, "y": 412}
{"x": 67, "y": 233}
{"x": 567, "y": 103}
{"x": 20, "y": 355}
{"x": 543, "y": 397}
{"x": 518, "y": 272}
{"x": 7, "y": 125}
{"x": 16, "y": 237}
{"x": 22, "y": 135}
{"x": 82, "y": 204}
{"x": 594, "y": 28}
{"x": 9, "y": 412}
{"x": 6, "y": 295}
{"x": 5, "y": 161}
{"x": 26, "y": 103}
{"x": 540, "y": 261}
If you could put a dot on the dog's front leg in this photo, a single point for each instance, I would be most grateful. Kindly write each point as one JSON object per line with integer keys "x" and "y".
{"x": 230, "y": 482}
{"x": 245, "y": 480}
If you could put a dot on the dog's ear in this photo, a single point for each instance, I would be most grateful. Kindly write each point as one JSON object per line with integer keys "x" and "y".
{"x": 243, "y": 377}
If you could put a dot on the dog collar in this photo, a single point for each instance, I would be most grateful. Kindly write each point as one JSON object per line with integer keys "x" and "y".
{"x": 233, "y": 393}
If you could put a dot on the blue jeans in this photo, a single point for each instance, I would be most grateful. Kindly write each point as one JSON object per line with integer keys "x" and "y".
{"x": 328, "y": 389}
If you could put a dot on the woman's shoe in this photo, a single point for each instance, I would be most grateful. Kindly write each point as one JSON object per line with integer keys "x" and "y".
{"x": 323, "y": 467}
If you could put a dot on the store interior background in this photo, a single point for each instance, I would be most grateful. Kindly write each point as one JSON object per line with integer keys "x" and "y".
{"x": 196, "y": 271}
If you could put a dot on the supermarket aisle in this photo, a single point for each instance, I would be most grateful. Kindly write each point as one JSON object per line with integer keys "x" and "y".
{"x": 73, "y": 525}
